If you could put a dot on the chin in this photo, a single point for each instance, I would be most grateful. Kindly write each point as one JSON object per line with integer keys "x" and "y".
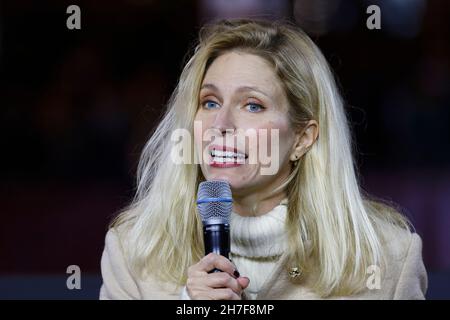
{"x": 237, "y": 185}
{"x": 221, "y": 176}
{"x": 233, "y": 179}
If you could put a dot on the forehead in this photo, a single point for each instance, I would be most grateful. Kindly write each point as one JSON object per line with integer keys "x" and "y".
{"x": 235, "y": 69}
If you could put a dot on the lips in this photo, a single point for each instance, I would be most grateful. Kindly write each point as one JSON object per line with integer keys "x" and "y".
{"x": 223, "y": 156}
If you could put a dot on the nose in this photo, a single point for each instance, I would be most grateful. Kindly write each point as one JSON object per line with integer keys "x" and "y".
{"x": 224, "y": 121}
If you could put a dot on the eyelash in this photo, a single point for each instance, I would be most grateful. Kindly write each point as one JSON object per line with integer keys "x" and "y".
{"x": 206, "y": 102}
{"x": 254, "y": 104}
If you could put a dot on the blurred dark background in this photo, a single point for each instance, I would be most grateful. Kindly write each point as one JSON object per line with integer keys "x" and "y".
{"x": 76, "y": 107}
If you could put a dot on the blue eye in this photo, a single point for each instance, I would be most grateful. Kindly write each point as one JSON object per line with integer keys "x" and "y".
{"x": 253, "y": 107}
{"x": 210, "y": 104}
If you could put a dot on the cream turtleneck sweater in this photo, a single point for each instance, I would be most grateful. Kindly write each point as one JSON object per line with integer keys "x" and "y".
{"x": 256, "y": 245}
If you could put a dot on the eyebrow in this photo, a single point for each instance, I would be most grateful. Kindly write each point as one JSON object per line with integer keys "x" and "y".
{"x": 240, "y": 89}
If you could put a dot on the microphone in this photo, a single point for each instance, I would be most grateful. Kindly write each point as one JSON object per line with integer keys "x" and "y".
{"x": 214, "y": 203}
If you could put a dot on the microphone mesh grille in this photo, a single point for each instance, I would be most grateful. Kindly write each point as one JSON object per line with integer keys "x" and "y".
{"x": 216, "y": 210}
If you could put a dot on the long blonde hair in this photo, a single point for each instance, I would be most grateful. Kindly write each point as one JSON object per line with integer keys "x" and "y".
{"x": 160, "y": 230}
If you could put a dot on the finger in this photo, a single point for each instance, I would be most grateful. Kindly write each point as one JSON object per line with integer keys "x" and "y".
{"x": 214, "y": 260}
{"x": 243, "y": 282}
{"x": 222, "y": 280}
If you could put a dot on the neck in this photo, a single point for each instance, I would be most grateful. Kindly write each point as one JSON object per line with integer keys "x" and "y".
{"x": 244, "y": 205}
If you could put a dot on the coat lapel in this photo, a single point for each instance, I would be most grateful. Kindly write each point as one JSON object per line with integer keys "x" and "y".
{"x": 282, "y": 284}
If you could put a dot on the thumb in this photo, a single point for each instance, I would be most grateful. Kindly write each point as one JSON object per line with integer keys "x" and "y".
{"x": 243, "y": 281}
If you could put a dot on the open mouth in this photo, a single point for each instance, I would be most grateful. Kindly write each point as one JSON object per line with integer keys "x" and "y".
{"x": 225, "y": 156}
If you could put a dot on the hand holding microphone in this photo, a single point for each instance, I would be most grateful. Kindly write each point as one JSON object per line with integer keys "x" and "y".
{"x": 215, "y": 277}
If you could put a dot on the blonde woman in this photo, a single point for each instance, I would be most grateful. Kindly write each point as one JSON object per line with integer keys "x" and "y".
{"x": 306, "y": 230}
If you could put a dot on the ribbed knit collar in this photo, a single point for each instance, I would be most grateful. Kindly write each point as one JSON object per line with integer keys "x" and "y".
{"x": 259, "y": 237}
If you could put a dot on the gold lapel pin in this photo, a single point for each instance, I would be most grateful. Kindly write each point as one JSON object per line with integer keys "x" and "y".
{"x": 294, "y": 272}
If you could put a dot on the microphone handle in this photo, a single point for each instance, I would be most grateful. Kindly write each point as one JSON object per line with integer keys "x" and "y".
{"x": 217, "y": 239}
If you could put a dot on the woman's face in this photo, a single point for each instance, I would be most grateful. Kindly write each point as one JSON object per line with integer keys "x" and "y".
{"x": 241, "y": 91}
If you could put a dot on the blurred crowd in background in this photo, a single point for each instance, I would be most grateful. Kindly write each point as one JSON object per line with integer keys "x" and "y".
{"x": 76, "y": 107}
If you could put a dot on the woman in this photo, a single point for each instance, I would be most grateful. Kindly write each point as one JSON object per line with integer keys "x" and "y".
{"x": 303, "y": 231}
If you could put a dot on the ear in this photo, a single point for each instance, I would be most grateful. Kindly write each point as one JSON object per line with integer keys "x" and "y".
{"x": 304, "y": 139}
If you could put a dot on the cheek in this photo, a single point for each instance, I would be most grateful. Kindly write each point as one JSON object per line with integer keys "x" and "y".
{"x": 279, "y": 134}
{"x": 198, "y": 131}
{"x": 200, "y": 125}
{"x": 286, "y": 137}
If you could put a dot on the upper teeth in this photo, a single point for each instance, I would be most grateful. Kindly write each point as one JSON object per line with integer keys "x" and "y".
{"x": 228, "y": 154}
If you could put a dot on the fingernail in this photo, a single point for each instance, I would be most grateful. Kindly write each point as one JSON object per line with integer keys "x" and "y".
{"x": 236, "y": 274}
